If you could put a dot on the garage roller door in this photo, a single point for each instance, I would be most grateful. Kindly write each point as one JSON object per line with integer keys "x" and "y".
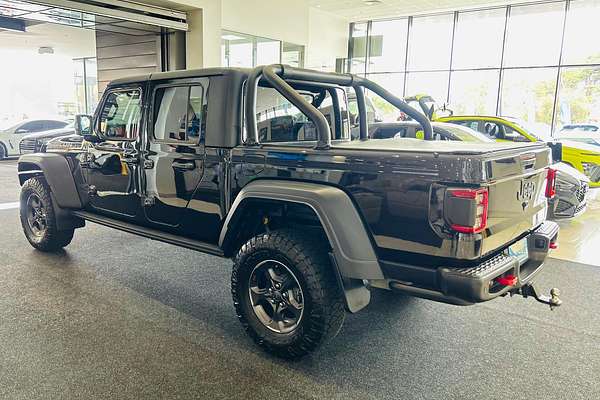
{"x": 117, "y": 9}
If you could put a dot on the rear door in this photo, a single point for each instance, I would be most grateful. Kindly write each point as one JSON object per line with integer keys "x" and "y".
{"x": 174, "y": 160}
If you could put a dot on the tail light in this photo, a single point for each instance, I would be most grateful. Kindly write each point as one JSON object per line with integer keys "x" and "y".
{"x": 551, "y": 183}
{"x": 474, "y": 210}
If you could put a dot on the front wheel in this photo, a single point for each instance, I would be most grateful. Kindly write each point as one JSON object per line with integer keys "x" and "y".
{"x": 38, "y": 219}
{"x": 286, "y": 294}
{"x": 3, "y": 152}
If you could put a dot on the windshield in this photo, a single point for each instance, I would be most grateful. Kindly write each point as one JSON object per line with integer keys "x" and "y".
{"x": 463, "y": 133}
{"x": 537, "y": 130}
{"x": 10, "y": 126}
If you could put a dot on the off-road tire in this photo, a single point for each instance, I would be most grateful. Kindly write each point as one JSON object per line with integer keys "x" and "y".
{"x": 306, "y": 256}
{"x": 51, "y": 239}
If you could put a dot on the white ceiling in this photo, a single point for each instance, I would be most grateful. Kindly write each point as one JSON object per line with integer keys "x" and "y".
{"x": 357, "y": 10}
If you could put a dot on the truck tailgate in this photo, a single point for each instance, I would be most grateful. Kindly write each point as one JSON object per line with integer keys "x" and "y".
{"x": 517, "y": 195}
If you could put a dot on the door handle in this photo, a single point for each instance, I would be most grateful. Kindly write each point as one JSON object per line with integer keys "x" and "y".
{"x": 187, "y": 165}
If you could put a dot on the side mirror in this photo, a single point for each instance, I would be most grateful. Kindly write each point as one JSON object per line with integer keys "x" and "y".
{"x": 83, "y": 127}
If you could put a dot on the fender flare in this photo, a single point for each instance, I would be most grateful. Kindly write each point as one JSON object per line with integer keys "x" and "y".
{"x": 353, "y": 255}
{"x": 58, "y": 175}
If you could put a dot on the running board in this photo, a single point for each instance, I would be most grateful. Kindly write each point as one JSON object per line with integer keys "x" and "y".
{"x": 150, "y": 233}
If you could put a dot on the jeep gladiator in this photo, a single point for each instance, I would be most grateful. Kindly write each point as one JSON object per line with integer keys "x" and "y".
{"x": 258, "y": 165}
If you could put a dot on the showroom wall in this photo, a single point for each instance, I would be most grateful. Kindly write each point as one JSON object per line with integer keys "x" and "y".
{"x": 538, "y": 62}
{"x": 324, "y": 35}
{"x": 121, "y": 55}
{"x": 327, "y": 40}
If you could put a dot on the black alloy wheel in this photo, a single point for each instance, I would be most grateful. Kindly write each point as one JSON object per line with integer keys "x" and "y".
{"x": 276, "y": 296}
{"x": 36, "y": 215}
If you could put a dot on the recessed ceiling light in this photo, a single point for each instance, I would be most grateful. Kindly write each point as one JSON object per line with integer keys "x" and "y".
{"x": 45, "y": 50}
{"x": 372, "y": 2}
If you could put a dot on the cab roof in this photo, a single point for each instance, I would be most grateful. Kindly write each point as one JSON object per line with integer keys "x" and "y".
{"x": 187, "y": 73}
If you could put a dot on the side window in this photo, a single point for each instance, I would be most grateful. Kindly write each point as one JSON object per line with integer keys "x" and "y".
{"x": 179, "y": 113}
{"x": 29, "y": 127}
{"x": 54, "y": 125}
{"x": 121, "y": 115}
{"x": 512, "y": 135}
{"x": 469, "y": 124}
{"x": 279, "y": 120}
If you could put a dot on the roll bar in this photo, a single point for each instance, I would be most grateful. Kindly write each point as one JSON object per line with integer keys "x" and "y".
{"x": 276, "y": 75}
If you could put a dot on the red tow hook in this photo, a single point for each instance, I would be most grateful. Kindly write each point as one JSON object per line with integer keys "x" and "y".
{"x": 553, "y": 245}
{"x": 508, "y": 280}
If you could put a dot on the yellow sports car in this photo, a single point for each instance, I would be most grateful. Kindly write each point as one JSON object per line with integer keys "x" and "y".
{"x": 582, "y": 156}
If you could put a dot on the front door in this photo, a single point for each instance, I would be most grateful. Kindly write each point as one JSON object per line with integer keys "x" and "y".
{"x": 174, "y": 162}
{"x": 112, "y": 166}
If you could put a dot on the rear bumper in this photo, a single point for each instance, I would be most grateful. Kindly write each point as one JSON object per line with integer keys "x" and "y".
{"x": 468, "y": 285}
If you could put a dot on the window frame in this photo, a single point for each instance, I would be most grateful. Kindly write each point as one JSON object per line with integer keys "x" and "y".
{"x": 188, "y": 85}
{"x": 110, "y": 91}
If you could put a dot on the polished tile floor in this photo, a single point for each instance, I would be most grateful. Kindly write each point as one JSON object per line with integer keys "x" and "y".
{"x": 579, "y": 239}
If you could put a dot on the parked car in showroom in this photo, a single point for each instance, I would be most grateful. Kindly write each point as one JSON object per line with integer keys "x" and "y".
{"x": 583, "y": 157}
{"x": 11, "y": 137}
{"x": 581, "y": 127}
{"x": 575, "y": 135}
{"x": 571, "y": 185}
{"x": 312, "y": 219}
{"x": 36, "y": 142}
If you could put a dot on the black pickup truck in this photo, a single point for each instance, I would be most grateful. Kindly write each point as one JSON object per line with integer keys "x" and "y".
{"x": 258, "y": 165}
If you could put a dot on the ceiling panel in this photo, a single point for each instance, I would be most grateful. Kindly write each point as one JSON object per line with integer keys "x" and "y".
{"x": 358, "y": 10}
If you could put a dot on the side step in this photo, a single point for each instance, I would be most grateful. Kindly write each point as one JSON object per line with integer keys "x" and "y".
{"x": 150, "y": 233}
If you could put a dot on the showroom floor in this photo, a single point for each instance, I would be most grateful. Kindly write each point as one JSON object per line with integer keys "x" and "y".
{"x": 118, "y": 316}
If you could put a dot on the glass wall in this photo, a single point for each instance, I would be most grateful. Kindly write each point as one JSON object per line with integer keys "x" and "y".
{"x": 86, "y": 85}
{"x": 241, "y": 50}
{"x": 539, "y": 62}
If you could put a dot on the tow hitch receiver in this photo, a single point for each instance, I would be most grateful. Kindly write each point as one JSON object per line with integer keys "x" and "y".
{"x": 530, "y": 290}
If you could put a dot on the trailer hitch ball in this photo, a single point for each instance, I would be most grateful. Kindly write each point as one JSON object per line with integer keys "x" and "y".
{"x": 554, "y": 297}
{"x": 530, "y": 290}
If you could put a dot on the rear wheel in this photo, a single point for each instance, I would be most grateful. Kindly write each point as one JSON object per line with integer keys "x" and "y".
{"x": 286, "y": 294}
{"x": 38, "y": 219}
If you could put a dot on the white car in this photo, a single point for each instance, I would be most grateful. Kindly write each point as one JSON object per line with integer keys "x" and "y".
{"x": 578, "y": 135}
{"x": 11, "y": 138}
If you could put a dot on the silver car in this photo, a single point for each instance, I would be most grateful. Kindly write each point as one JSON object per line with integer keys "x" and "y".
{"x": 571, "y": 193}
{"x": 11, "y": 137}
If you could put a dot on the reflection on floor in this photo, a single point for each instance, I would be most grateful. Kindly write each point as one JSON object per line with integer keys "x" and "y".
{"x": 580, "y": 237}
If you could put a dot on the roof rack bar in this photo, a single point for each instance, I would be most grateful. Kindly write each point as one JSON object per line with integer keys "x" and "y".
{"x": 363, "y": 125}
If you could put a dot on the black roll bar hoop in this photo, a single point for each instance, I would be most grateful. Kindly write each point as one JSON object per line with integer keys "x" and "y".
{"x": 276, "y": 74}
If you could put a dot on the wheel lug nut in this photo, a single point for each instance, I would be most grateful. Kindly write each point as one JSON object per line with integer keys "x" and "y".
{"x": 285, "y": 294}
{"x": 277, "y": 286}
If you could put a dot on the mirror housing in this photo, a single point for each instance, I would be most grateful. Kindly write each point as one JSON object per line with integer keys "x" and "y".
{"x": 83, "y": 127}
